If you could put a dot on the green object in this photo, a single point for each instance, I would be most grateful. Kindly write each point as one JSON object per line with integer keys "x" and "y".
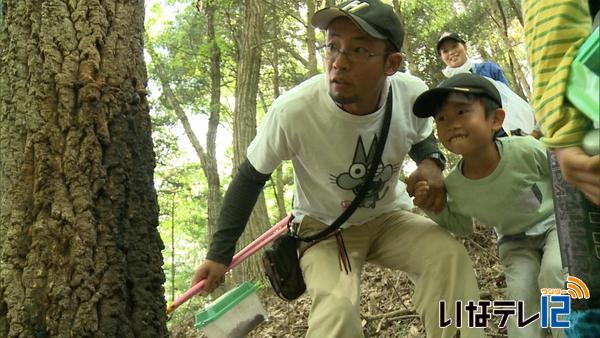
{"x": 225, "y": 304}
{"x": 583, "y": 89}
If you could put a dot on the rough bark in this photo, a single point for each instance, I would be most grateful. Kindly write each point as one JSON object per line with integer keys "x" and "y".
{"x": 244, "y": 124}
{"x": 80, "y": 254}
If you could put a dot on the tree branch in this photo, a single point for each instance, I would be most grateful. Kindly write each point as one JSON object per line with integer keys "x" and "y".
{"x": 175, "y": 103}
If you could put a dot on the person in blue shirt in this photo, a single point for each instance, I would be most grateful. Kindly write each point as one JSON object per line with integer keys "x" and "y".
{"x": 519, "y": 119}
{"x": 452, "y": 49}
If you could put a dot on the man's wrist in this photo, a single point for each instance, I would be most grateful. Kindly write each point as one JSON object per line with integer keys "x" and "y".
{"x": 218, "y": 258}
{"x": 437, "y": 158}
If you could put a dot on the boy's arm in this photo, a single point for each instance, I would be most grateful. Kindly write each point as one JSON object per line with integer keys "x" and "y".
{"x": 539, "y": 154}
{"x": 457, "y": 223}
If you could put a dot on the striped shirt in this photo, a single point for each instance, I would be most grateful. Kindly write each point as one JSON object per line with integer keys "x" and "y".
{"x": 554, "y": 31}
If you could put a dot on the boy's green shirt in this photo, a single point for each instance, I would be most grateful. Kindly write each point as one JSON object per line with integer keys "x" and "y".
{"x": 516, "y": 198}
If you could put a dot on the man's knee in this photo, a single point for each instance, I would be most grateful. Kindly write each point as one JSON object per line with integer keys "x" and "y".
{"x": 439, "y": 241}
{"x": 453, "y": 250}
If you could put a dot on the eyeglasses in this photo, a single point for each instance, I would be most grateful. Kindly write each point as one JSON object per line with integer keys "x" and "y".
{"x": 357, "y": 55}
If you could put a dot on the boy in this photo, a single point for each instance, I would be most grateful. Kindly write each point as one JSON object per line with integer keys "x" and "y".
{"x": 504, "y": 183}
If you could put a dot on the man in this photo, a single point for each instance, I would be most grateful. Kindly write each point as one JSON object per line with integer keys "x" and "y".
{"x": 328, "y": 126}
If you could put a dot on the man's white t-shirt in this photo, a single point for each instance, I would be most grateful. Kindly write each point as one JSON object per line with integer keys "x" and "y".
{"x": 329, "y": 148}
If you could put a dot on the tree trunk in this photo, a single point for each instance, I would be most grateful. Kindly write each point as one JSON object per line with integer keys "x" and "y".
{"x": 311, "y": 41}
{"x": 207, "y": 160}
{"x": 277, "y": 178}
{"x": 407, "y": 46}
{"x": 484, "y": 54}
{"x": 210, "y": 166}
{"x": 80, "y": 250}
{"x": 517, "y": 8}
{"x": 279, "y": 188}
{"x": 244, "y": 125}
{"x": 520, "y": 86}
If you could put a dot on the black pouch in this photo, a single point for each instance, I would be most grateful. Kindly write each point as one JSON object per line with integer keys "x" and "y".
{"x": 281, "y": 260}
{"x": 282, "y": 266}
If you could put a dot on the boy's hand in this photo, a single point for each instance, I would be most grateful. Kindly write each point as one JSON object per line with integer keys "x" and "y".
{"x": 421, "y": 192}
{"x": 430, "y": 172}
{"x": 581, "y": 170}
{"x": 213, "y": 272}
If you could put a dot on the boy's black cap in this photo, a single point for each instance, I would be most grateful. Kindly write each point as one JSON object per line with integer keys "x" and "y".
{"x": 373, "y": 16}
{"x": 448, "y": 35}
{"x": 468, "y": 83}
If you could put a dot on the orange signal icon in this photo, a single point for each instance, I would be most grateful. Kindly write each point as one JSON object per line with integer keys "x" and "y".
{"x": 577, "y": 289}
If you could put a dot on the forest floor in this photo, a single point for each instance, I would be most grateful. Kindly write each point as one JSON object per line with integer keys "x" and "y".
{"x": 386, "y": 306}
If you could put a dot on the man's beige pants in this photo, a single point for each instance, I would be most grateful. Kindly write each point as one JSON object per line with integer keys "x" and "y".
{"x": 435, "y": 261}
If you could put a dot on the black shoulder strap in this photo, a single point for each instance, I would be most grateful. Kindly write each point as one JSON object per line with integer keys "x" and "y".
{"x": 368, "y": 180}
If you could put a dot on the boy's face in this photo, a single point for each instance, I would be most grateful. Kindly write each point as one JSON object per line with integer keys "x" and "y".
{"x": 453, "y": 53}
{"x": 462, "y": 126}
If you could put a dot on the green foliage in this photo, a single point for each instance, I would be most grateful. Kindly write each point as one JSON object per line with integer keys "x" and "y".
{"x": 182, "y": 195}
{"x": 426, "y": 20}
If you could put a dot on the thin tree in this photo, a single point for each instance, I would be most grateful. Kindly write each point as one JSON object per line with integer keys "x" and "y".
{"x": 311, "y": 40}
{"x": 277, "y": 178}
{"x": 520, "y": 83}
{"x": 244, "y": 124}
{"x": 80, "y": 250}
{"x": 210, "y": 166}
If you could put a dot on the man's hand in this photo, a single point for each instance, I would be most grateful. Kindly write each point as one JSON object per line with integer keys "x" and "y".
{"x": 213, "y": 272}
{"x": 430, "y": 172}
{"x": 581, "y": 170}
